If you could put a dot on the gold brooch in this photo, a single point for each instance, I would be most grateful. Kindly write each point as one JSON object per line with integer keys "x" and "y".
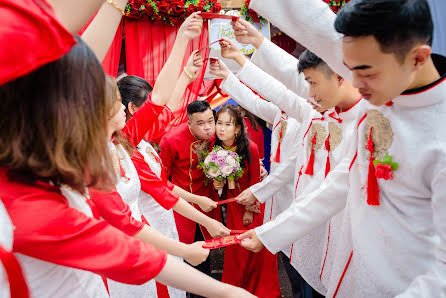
{"x": 321, "y": 136}
{"x": 382, "y": 134}
{"x": 335, "y": 135}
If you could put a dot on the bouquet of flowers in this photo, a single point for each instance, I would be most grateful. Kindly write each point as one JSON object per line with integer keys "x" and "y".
{"x": 221, "y": 165}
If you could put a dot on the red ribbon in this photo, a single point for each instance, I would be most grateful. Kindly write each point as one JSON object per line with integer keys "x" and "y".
{"x": 372, "y": 183}
{"x": 309, "y": 169}
{"x": 17, "y": 283}
{"x": 212, "y": 15}
{"x": 238, "y": 231}
{"x": 226, "y": 201}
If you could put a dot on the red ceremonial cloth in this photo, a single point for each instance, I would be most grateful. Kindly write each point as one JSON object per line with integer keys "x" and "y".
{"x": 17, "y": 284}
{"x": 67, "y": 237}
{"x": 30, "y": 36}
{"x": 110, "y": 64}
{"x": 255, "y": 272}
{"x": 181, "y": 153}
{"x": 148, "y": 45}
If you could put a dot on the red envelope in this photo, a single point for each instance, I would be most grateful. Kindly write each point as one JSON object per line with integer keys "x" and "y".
{"x": 211, "y": 15}
{"x": 222, "y": 242}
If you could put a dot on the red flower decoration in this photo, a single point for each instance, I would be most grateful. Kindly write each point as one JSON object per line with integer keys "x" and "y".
{"x": 384, "y": 171}
{"x": 336, "y": 5}
{"x": 169, "y": 11}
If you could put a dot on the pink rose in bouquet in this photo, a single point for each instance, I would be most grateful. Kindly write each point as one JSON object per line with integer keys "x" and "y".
{"x": 222, "y": 165}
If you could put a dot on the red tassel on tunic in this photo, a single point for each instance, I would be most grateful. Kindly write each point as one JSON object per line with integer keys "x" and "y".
{"x": 327, "y": 147}
{"x": 309, "y": 170}
{"x": 372, "y": 183}
{"x": 277, "y": 157}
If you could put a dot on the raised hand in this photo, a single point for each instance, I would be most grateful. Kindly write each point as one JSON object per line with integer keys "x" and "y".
{"x": 191, "y": 27}
{"x": 219, "y": 69}
{"x": 207, "y": 204}
{"x": 250, "y": 241}
{"x": 246, "y": 33}
{"x": 217, "y": 229}
{"x": 196, "y": 254}
{"x": 229, "y": 49}
{"x": 246, "y": 197}
{"x": 194, "y": 64}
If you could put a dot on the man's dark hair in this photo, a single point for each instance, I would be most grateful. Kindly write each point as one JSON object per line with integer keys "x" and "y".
{"x": 309, "y": 60}
{"x": 198, "y": 106}
{"x": 397, "y": 25}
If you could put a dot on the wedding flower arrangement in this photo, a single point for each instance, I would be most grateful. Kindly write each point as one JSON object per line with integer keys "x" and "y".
{"x": 221, "y": 165}
{"x": 249, "y": 14}
{"x": 169, "y": 11}
{"x": 336, "y": 5}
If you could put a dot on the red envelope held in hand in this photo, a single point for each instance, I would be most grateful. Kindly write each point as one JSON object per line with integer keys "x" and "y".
{"x": 222, "y": 242}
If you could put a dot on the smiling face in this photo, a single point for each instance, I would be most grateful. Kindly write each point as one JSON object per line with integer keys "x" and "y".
{"x": 379, "y": 76}
{"x": 202, "y": 124}
{"x": 226, "y": 128}
{"x": 324, "y": 88}
{"x": 118, "y": 118}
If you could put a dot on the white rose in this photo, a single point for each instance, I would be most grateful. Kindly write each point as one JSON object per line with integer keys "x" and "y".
{"x": 207, "y": 160}
{"x": 226, "y": 170}
{"x": 230, "y": 161}
{"x": 222, "y": 153}
{"x": 213, "y": 173}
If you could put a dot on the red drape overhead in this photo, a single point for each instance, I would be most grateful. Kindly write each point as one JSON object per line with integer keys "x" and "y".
{"x": 110, "y": 64}
{"x": 148, "y": 45}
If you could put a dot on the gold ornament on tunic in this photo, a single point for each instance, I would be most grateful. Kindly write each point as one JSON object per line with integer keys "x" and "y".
{"x": 335, "y": 135}
{"x": 200, "y": 148}
{"x": 321, "y": 136}
{"x": 382, "y": 134}
{"x": 281, "y": 132}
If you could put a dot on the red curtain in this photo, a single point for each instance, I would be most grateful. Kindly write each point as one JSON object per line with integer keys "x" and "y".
{"x": 110, "y": 64}
{"x": 148, "y": 45}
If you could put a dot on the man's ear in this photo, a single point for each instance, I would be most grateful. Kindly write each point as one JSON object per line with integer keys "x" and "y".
{"x": 132, "y": 108}
{"x": 340, "y": 80}
{"x": 420, "y": 55}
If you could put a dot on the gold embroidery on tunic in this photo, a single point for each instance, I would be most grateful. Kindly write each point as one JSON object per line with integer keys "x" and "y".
{"x": 151, "y": 154}
{"x": 382, "y": 134}
{"x": 335, "y": 135}
{"x": 283, "y": 127}
{"x": 321, "y": 136}
{"x": 199, "y": 149}
{"x": 254, "y": 207}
